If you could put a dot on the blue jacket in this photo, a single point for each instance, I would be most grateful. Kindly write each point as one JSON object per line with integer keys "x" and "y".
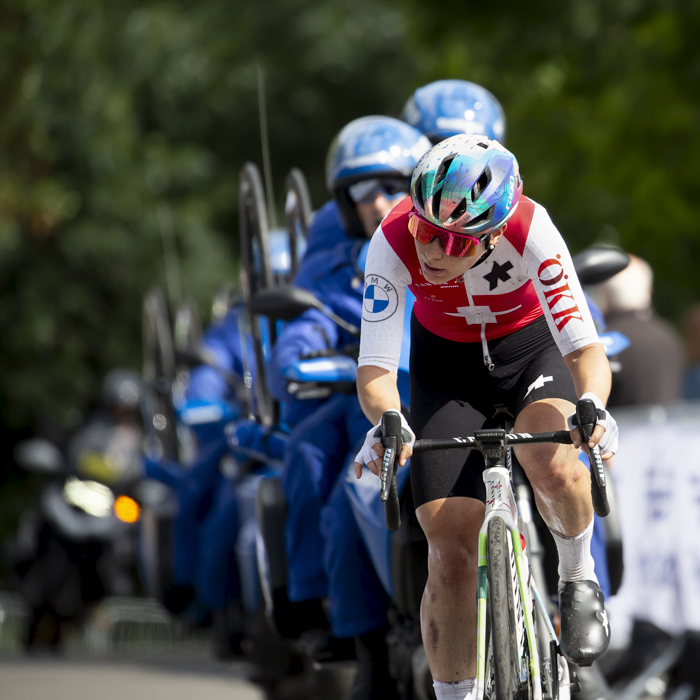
{"x": 336, "y": 278}
{"x": 326, "y": 230}
{"x": 223, "y": 340}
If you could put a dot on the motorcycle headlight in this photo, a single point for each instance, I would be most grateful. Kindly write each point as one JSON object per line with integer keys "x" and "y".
{"x": 90, "y": 496}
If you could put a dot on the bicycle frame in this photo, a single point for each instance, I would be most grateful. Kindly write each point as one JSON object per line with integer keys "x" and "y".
{"x": 500, "y": 502}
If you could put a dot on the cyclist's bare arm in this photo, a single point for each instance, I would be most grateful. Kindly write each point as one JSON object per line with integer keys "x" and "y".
{"x": 378, "y": 392}
{"x": 590, "y": 370}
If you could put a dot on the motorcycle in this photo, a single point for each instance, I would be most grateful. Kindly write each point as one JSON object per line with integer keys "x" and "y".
{"x": 76, "y": 545}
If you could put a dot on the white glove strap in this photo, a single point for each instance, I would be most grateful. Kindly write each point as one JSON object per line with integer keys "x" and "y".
{"x": 367, "y": 453}
{"x": 407, "y": 435}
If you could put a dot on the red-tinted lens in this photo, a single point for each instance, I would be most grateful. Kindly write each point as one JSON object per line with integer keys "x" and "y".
{"x": 455, "y": 245}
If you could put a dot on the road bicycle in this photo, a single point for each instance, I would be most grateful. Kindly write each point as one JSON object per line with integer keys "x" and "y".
{"x": 518, "y": 653}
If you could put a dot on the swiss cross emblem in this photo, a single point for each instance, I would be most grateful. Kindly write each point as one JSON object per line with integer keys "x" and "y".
{"x": 480, "y": 314}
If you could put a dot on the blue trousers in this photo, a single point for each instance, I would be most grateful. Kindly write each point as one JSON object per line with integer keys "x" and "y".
{"x": 325, "y": 553}
{"x": 195, "y": 488}
{"x": 357, "y": 600}
{"x": 216, "y": 576}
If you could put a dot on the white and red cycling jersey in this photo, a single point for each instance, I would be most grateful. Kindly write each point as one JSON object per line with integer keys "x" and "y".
{"x": 528, "y": 274}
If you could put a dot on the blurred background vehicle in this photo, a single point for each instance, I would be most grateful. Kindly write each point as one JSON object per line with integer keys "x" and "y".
{"x": 76, "y": 544}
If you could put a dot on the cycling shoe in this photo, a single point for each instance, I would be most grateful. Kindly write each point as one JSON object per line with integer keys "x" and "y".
{"x": 585, "y": 630}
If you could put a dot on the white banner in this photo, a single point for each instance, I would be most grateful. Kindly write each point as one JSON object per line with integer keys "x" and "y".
{"x": 657, "y": 480}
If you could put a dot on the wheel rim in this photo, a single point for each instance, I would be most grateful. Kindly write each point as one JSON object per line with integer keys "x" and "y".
{"x": 256, "y": 274}
{"x": 159, "y": 375}
{"x": 297, "y": 210}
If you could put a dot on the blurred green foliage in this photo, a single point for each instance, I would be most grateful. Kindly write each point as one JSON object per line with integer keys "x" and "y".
{"x": 121, "y": 118}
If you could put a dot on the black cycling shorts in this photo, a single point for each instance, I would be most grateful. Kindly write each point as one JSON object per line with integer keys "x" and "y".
{"x": 454, "y": 394}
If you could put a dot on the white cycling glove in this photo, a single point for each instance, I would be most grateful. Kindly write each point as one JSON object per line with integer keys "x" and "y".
{"x": 608, "y": 443}
{"x": 367, "y": 453}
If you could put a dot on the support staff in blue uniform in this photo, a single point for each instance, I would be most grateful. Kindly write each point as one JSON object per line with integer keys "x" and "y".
{"x": 367, "y": 171}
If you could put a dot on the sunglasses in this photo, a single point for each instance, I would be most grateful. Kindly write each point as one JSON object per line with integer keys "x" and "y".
{"x": 456, "y": 245}
{"x": 366, "y": 191}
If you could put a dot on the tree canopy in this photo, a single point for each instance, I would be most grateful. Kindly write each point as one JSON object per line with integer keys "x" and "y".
{"x": 125, "y": 121}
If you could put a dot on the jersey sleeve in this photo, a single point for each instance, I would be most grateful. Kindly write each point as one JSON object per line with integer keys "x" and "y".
{"x": 551, "y": 269}
{"x": 386, "y": 279}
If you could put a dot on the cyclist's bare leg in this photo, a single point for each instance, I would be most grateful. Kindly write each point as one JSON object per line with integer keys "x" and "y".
{"x": 561, "y": 482}
{"x": 448, "y": 608}
{"x": 562, "y": 492}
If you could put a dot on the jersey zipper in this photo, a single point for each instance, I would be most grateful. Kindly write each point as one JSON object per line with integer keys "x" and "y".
{"x": 484, "y": 343}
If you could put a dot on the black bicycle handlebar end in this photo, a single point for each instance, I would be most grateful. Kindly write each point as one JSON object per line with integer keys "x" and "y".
{"x": 391, "y": 437}
{"x": 586, "y": 418}
{"x": 392, "y": 508}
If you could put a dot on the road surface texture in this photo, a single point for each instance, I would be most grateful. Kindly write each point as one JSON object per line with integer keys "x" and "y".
{"x": 134, "y": 678}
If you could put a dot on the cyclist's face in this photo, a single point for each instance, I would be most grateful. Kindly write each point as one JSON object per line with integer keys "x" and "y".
{"x": 439, "y": 268}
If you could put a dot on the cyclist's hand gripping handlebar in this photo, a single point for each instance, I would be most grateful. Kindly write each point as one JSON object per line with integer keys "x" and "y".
{"x": 586, "y": 418}
{"x": 391, "y": 437}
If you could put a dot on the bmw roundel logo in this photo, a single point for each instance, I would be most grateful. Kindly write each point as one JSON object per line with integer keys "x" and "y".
{"x": 381, "y": 299}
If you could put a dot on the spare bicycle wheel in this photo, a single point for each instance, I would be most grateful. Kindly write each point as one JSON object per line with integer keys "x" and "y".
{"x": 255, "y": 248}
{"x": 256, "y": 274}
{"x": 159, "y": 375}
{"x": 297, "y": 214}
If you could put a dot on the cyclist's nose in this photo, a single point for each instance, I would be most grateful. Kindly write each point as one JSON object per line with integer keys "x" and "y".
{"x": 434, "y": 249}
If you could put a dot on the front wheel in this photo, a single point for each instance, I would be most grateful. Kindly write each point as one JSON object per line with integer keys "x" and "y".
{"x": 502, "y": 607}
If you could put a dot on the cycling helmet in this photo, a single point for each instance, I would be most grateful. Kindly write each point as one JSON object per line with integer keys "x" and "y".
{"x": 448, "y": 107}
{"x": 466, "y": 184}
{"x": 122, "y": 389}
{"x": 369, "y": 148}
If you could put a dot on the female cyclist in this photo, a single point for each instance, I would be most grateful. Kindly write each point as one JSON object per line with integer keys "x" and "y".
{"x": 499, "y": 318}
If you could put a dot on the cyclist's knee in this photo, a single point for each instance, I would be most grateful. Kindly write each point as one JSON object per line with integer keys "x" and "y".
{"x": 451, "y": 527}
{"x": 552, "y": 471}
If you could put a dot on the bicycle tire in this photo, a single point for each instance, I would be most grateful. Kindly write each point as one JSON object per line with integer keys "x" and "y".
{"x": 502, "y": 612}
{"x": 256, "y": 275}
{"x": 255, "y": 248}
{"x": 159, "y": 374}
{"x": 297, "y": 213}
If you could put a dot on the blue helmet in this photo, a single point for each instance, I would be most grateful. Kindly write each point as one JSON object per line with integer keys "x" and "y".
{"x": 448, "y": 107}
{"x": 369, "y": 148}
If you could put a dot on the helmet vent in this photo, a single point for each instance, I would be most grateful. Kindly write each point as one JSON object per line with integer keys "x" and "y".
{"x": 483, "y": 145}
{"x": 482, "y": 218}
{"x": 444, "y": 167}
{"x": 435, "y": 203}
{"x": 418, "y": 190}
{"x": 481, "y": 184}
{"x": 459, "y": 210}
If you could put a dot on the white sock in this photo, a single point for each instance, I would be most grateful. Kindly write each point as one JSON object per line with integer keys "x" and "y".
{"x": 456, "y": 690}
{"x": 575, "y": 559}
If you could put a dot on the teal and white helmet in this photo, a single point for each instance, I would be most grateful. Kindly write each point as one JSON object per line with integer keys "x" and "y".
{"x": 467, "y": 184}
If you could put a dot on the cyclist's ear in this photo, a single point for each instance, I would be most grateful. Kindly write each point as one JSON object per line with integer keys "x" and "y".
{"x": 497, "y": 235}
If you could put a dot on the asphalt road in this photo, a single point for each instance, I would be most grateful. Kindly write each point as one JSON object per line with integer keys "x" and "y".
{"x": 133, "y": 677}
